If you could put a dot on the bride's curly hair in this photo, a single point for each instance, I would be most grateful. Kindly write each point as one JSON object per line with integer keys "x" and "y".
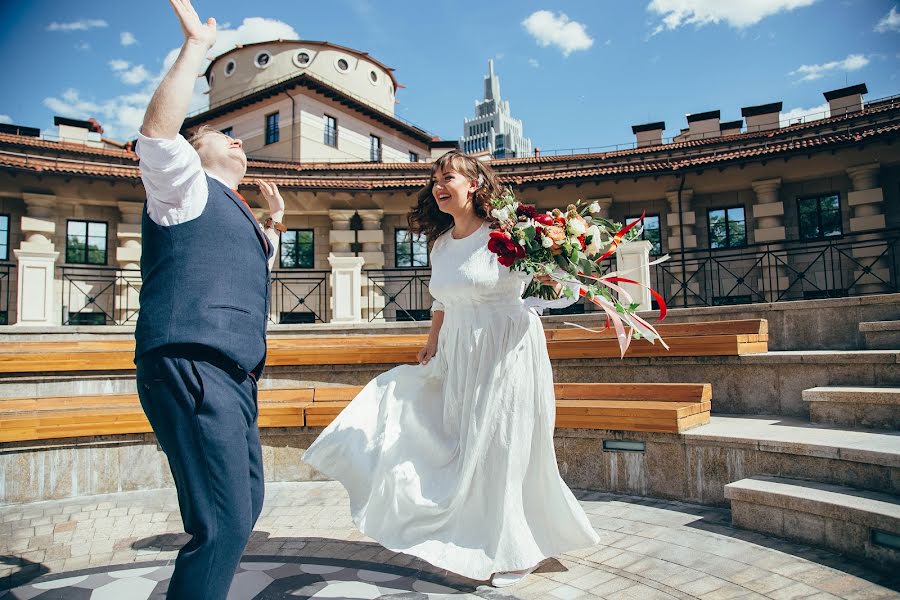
{"x": 427, "y": 218}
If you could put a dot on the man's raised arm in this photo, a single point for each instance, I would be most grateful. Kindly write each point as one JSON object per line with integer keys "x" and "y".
{"x": 169, "y": 105}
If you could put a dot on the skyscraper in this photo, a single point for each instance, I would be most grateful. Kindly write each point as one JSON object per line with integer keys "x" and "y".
{"x": 493, "y": 129}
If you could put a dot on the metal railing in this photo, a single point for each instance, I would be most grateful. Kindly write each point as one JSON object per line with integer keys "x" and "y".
{"x": 396, "y": 294}
{"x": 99, "y": 295}
{"x": 300, "y": 297}
{"x": 851, "y": 265}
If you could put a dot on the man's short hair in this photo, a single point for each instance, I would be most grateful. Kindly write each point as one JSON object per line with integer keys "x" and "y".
{"x": 200, "y": 133}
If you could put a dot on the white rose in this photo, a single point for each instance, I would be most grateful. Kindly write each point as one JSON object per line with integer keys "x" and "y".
{"x": 546, "y": 242}
{"x": 593, "y": 248}
{"x": 594, "y": 207}
{"x": 576, "y": 227}
{"x": 575, "y": 241}
{"x": 500, "y": 214}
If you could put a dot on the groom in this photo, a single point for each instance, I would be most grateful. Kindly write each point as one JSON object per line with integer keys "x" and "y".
{"x": 201, "y": 332}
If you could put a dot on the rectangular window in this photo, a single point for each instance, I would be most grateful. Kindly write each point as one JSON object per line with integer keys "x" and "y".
{"x": 374, "y": 148}
{"x": 410, "y": 249}
{"x": 229, "y": 131}
{"x": 727, "y": 227}
{"x": 86, "y": 243}
{"x": 413, "y": 156}
{"x": 297, "y": 249}
{"x": 4, "y": 237}
{"x": 330, "y": 132}
{"x": 820, "y": 216}
{"x": 651, "y": 232}
{"x": 271, "y": 128}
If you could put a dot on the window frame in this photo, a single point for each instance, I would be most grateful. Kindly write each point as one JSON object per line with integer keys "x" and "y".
{"x": 87, "y": 239}
{"x": 412, "y": 242}
{"x": 4, "y": 243}
{"x": 312, "y": 245}
{"x": 326, "y": 117}
{"x": 643, "y": 233}
{"x": 820, "y": 236}
{"x": 273, "y": 136}
{"x": 728, "y": 243}
{"x": 372, "y": 148}
{"x": 413, "y": 157}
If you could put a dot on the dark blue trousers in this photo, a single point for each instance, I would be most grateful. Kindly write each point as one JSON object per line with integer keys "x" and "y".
{"x": 203, "y": 409}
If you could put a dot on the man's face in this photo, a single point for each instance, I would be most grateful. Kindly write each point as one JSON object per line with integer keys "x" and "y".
{"x": 223, "y": 151}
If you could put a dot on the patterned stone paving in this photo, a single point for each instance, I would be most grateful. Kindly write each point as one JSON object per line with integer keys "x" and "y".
{"x": 121, "y": 547}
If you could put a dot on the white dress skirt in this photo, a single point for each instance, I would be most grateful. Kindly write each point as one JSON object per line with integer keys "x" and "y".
{"x": 453, "y": 461}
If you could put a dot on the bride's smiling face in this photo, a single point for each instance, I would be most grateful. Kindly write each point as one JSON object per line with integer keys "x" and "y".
{"x": 452, "y": 191}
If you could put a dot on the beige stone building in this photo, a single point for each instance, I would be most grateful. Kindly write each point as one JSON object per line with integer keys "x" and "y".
{"x": 749, "y": 211}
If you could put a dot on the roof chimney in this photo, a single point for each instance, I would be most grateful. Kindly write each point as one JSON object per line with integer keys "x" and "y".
{"x": 732, "y": 127}
{"x": 703, "y": 125}
{"x": 649, "y": 134}
{"x": 762, "y": 117}
{"x": 76, "y": 131}
{"x": 846, "y": 100}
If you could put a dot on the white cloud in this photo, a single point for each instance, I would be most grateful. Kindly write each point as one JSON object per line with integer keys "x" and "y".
{"x": 797, "y": 115}
{"x": 534, "y": 63}
{"x": 853, "y": 62}
{"x": 127, "y": 38}
{"x": 676, "y": 13}
{"x": 121, "y": 115}
{"x": 5, "y": 119}
{"x": 548, "y": 29}
{"x": 890, "y": 22}
{"x": 81, "y": 25}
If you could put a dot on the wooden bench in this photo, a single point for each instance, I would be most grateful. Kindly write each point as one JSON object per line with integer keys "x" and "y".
{"x": 664, "y": 407}
{"x": 714, "y": 338}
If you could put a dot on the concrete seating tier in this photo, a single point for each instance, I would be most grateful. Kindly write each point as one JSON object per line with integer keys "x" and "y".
{"x": 872, "y": 407}
{"x": 865, "y": 525}
{"x": 715, "y": 338}
{"x": 881, "y": 335}
{"x": 627, "y": 407}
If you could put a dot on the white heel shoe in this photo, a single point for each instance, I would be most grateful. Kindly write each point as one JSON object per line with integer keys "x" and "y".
{"x": 508, "y": 578}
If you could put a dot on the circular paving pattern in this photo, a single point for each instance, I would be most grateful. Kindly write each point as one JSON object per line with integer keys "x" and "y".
{"x": 257, "y": 578}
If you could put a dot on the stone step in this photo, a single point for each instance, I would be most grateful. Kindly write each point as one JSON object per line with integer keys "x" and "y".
{"x": 857, "y": 523}
{"x": 881, "y": 335}
{"x": 870, "y": 407}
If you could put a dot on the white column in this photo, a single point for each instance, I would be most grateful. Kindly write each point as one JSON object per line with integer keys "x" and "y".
{"x": 634, "y": 257}
{"x": 36, "y": 256}
{"x": 346, "y": 288}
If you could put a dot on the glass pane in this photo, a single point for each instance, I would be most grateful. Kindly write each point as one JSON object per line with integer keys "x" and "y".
{"x": 403, "y": 256}
{"x": 654, "y": 237}
{"x": 4, "y": 223}
{"x": 77, "y": 228}
{"x": 306, "y": 257}
{"x": 96, "y": 255}
{"x": 401, "y": 236}
{"x": 420, "y": 260}
{"x": 4, "y": 252}
{"x": 717, "y": 237}
{"x": 831, "y": 220}
{"x": 735, "y": 214}
{"x": 737, "y": 234}
{"x": 305, "y": 237}
{"x": 715, "y": 217}
{"x": 289, "y": 237}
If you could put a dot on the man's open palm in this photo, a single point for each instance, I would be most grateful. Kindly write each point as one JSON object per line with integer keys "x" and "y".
{"x": 193, "y": 29}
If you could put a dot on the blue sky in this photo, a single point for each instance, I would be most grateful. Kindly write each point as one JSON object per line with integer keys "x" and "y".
{"x": 578, "y": 73}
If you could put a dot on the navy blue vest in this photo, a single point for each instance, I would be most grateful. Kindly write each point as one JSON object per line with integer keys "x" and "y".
{"x": 206, "y": 281}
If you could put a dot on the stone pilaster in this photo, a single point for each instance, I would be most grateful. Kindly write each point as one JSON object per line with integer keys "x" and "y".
{"x": 866, "y": 202}
{"x": 36, "y": 256}
{"x": 674, "y": 242}
{"x": 768, "y": 216}
{"x": 128, "y": 257}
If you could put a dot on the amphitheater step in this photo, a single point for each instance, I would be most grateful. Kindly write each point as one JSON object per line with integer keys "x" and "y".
{"x": 881, "y": 335}
{"x": 861, "y": 524}
{"x": 872, "y": 407}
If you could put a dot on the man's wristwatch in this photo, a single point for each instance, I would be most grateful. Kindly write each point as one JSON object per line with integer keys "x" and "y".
{"x": 273, "y": 224}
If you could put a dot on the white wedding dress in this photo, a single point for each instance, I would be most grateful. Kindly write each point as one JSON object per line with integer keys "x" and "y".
{"x": 453, "y": 461}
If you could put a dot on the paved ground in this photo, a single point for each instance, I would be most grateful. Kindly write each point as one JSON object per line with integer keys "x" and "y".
{"x": 121, "y": 547}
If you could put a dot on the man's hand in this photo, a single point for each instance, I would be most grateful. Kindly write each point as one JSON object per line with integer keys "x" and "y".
{"x": 273, "y": 197}
{"x": 194, "y": 31}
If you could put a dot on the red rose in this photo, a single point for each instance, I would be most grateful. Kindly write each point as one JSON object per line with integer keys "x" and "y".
{"x": 526, "y": 210}
{"x": 543, "y": 219}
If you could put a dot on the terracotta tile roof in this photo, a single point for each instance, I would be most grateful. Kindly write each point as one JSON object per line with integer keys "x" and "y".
{"x": 69, "y": 147}
{"x": 385, "y": 177}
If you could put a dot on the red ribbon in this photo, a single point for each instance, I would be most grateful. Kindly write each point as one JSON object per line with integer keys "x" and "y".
{"x": 618, "y": 238}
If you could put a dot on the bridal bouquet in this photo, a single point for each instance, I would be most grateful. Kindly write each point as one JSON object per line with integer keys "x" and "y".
{"x": 569, "y": 247}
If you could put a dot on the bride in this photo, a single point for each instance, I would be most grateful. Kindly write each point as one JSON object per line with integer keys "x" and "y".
{"x": 452, "y": 460}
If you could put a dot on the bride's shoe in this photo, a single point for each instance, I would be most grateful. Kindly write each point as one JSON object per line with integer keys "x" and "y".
{"x": 508, "y": 578}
